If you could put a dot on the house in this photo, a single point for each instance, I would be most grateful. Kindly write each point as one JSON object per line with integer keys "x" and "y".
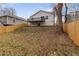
{"x": 11, "y": 20}
{"x": 72, "y": 16}
{"x": 42, "y": 18}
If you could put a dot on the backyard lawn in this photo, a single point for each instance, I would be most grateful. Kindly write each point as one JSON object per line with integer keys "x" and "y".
{"x": 36, "y": 41}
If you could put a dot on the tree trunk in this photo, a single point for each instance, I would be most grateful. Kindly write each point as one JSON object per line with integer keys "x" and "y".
{"x": 59, "y": 23}
{"x": 66, "y": 13}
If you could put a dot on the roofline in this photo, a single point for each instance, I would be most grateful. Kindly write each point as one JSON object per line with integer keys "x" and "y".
{"x": 42, "y": 11}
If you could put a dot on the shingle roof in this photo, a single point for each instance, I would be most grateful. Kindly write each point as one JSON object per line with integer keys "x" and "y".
{"x": 42, "y": 11}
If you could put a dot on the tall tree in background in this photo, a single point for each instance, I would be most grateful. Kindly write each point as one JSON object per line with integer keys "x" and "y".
{"x": 58, "y": 11}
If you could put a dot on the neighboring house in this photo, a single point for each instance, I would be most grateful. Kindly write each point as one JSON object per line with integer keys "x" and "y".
{"x": 11, "y": 20}
{"x": 43, "y": 17}
{"x": 72, "y": 16}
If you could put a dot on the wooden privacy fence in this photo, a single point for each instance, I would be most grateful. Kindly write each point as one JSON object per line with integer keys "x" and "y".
{"x": 72, "y": 28}
{"x": 4, "y": 29}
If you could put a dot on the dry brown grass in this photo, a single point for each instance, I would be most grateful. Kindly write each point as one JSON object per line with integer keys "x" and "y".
{"x": 36, "y": 41}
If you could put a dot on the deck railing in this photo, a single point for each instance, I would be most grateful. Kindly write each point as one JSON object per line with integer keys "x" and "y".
{"x": 37, "y": 19}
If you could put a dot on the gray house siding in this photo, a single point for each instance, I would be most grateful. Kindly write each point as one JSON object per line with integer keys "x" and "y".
{"x": 11, "y": 20}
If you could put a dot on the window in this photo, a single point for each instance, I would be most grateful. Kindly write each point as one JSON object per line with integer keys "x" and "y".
{"x": 42, "y": 18}
{"x": 13, "y": 20}
{"x": 46, "y": 17}
{"x": 4, "y": 20}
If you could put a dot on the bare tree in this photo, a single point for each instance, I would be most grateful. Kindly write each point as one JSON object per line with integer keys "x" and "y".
{"x": 58, "y": 10}
{"x": 7, "y": 11}
{"x": 66, "y": 12}
{"x": 12, "y": 11}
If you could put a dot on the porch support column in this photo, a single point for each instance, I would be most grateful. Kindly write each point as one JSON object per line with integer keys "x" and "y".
{"x": 7, "y": 20}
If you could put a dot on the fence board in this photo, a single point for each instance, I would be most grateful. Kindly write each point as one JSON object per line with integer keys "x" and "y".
{"x": 4, "y": 29}
{"x": 72, "y": 29}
